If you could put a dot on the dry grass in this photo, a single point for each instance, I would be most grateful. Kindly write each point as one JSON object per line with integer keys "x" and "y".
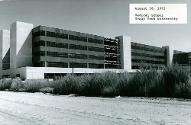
{"x": 171, "y": 82}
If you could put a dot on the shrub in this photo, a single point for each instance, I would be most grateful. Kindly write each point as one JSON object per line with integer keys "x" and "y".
{"x": 175, "y": 79}
{"x": 100, "y": 84}
{"x": 123, "y": 83}
{"x": 5, "y": 84}
{"x": 171, "y": 82}
{"x": 35, "y": 85}
{"x": 17, "y": 85}
{"x": 67, "y": 85}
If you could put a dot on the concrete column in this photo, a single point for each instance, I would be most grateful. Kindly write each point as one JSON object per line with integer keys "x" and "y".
{"x": 4, "y": 50}
{"x": 125, "y": 52}
{"x": 21, "y": 44}
{"x": 169, "y": 55}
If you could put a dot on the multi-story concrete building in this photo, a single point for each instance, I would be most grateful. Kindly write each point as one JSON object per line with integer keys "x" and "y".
{"x": 182, "y": 59}
{"x": 41, "y": 52}
{"x": 145, "y": 56}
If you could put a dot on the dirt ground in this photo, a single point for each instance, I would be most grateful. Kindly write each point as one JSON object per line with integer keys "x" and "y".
{"x": 19, "y": 108}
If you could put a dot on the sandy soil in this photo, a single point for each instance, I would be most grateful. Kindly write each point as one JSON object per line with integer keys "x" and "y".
{"x": 44, "y": 109}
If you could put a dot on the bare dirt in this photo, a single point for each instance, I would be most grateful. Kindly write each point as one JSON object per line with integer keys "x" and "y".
{"x": 19, "y": 108}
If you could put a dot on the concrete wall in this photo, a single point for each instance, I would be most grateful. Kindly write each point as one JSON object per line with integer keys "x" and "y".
{"x": 4, "y": 48}
{"x": 21, "y": 44}
{"x": 169, "y": 55}
{"x": 125, "y": 52}
{"x": 38, "y": 72}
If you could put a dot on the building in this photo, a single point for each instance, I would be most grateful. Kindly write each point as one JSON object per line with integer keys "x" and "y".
{"x": 182, "y": 59}
{"x": 147, "y": 57}
{"x": 44, "y": 52}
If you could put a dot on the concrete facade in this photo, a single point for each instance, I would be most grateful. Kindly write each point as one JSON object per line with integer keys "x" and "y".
{"x": 21, "y": 44}
{"x": 125, "y": 52}
{"x": 183, "y": 59}
{"x": 4, "y": 50}
{"x": 148, "y": 57}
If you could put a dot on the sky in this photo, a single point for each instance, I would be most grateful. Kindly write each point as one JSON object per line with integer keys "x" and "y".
{"x": 108, "y": 18}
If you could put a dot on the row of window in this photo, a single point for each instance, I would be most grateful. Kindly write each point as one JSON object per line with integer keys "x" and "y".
{"x": 147, "y": 61}
{"x": 66, "y": 36}
{"x": 39, "y": 33}
{"x": 148, "y": 67}
{"x": 50, "y": 34}
{"x": 147, "y": 55}
{"x": 58, "y": 45}
{"x": 97, "y": 49}
{"x": 79, "y": 47}
{"x": 57, "y": 64}
{"x": 69, "y": 55}
{"x": 75, "y": 65}
{"x": 58, "y": 35}
{"x": 147, "y": 49}
{"x": 78, "y": 56}
{"x": 51, "y": 44}
{"x": 65, "y": 45}
{"x": 112, "y": 66}
{"x": 57, "y": 54}
{"x": 78, "y": 38}
{"x": 91, "y": 40}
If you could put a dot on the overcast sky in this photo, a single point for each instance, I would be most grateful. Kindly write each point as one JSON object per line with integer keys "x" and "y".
{"x": 101, "y": 17}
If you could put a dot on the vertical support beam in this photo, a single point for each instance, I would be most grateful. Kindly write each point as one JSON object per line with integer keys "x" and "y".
{"x": 21, "y": 44}
{"x": 169, "y": 55}
{"x": 4, "y": 50}
{"x": 125, "y": 52}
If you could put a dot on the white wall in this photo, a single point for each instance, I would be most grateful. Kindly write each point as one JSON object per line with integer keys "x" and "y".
{"x": 125, "y": 52}
{"x": 21, "y": 44}
{"x": 38, "y": 72}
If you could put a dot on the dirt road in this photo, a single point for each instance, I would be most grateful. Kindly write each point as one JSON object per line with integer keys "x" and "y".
{"x": 40, "y": 109}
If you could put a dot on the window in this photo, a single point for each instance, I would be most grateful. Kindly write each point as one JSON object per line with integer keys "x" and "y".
{"x": 58, "y": 45}
{"x": 78, "y": 65}
{"x": 147, "y": 55}
{"x": 96, "y": 57}
{"x": 147, "y": 61}
{"x": 39, "y": 64}
{"x": 57, "y": 54}
{"x": 72, "y": 46}
{"x": 39, "y": 33}
{"x": 39, "y": 43}
{"x": 111, "y": 66}
{"x": 147, "y": 48}
{"x": 39, "y": 53}
{"x": 50, "y": 34}
{"x": 93, "y": 65}
{"x": 97, "y": 49}
{"x": 64, "y": 36}
{"x": 78, "y": 38}
{"x": 77, "y": 56}
{"x": 83, "y": 39}
{"x": 58, "y": 64}
{"x": 91, "y": 40}
{"x": 72, "y": 37}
